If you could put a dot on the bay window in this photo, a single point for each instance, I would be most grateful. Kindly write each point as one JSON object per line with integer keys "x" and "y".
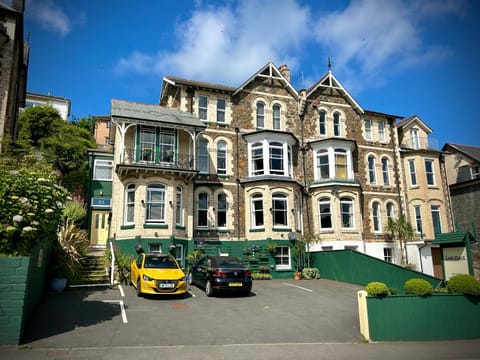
{"x": 155, "y": 204}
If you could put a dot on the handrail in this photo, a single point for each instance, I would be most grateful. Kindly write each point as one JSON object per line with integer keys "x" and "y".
{"x": 112, "y": 268}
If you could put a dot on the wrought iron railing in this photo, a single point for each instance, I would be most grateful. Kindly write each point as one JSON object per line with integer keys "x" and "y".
{"x": 152, "y": 158}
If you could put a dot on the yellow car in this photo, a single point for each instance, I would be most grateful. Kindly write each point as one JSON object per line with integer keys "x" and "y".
{"x": 157, "y": 274}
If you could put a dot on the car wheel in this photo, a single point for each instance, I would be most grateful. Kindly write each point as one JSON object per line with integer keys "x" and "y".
{"x": 208, "y": 288}
{"x": 139, "y": 289}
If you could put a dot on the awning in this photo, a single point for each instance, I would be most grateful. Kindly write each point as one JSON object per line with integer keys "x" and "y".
{"x": 452, "y": 238}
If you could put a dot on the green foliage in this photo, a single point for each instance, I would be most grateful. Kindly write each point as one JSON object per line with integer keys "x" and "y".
{"x": 393, "y": 291}
{"x": 418, "y": 287}
{"x": 271, "y": 246}
{"x": 31, "y": 205}
{"x": 310, "y": 273}
{"x": 464, "y": 284}
{"x": 261, "y": 276}
{"x": 87, "y": 123}
{"x": 403, "y": 230}
{"x": 377, "y": 289}
{"x": 39, "y": 122}
{"x": 122, "y": 263}
{"x": 75, "y": 211}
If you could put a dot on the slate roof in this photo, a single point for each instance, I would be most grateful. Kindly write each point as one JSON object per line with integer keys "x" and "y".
{"x": 468, "y": 150}
{"x": 200, "y": 84}
{"x": 137, "y": 111}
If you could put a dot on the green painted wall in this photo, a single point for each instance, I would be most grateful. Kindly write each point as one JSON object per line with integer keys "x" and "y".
{"x": 345, "y": 265}
{"x": 417, "y": 318}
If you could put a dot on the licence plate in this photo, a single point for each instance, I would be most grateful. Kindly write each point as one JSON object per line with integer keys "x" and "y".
{"x": 235, "y": 284}
{"x": 166, "y": 286}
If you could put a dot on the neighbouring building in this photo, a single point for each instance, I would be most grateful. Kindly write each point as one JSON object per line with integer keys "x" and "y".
{"x": 61, "y": 104}
{"x": 13, "y": 68}
{"x": 234, "y": 169}
{"x": 102, "y": 131}
{"x": 462, "y": 164}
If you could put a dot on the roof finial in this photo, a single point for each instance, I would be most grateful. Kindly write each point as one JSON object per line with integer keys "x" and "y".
{"x": 329, "y": 64}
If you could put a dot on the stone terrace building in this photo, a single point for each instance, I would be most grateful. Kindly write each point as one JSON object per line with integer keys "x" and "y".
{"x": 265, "y": 163}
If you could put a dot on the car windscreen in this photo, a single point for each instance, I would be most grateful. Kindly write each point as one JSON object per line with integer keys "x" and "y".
{"x": 159, "y": 262}
{"x": 228, "y": 263}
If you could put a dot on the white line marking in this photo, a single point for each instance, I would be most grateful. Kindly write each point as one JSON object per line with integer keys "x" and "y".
{"x": 193, "y": 295}
{"x": 298, "y": 287}
{"x": 122, "y": 309}
{"x": 121, "y": 290}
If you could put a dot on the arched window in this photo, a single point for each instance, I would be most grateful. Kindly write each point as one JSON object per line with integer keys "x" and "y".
{"x": 257, "y": 211}
{"x": 179, "y": 207}
{"x": 222, "y": 157}
{"x": 322, "y": 122}
{"x": 390, "y": 210}
{"x": 222, "y": 211}
{"x": 376, "y": 216}
{"x": 325, "y": 214}
{"x": 276, "y": 117}
{"x": 372, "y": 175}
{"x": 346, "y": 212}
{"x": 260, "y": 115}
{"x": 336, "y": 124}
{"x": 155, "y": 203}
{"x": 203, "y": 158}
{"x": 385, "y": 171}
{"x": 202, "y": 210}
{"x": 129, "y": 204}
{"x": 279, "y": 210}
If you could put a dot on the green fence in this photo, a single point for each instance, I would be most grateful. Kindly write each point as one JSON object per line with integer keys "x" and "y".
{"x": 357, "y": 268}
{"x": 417, "y": 318}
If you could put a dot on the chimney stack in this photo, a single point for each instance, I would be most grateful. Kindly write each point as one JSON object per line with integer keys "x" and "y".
{"x": 284, "y": 71}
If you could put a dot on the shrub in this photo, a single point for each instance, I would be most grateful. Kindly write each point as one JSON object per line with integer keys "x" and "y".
{"x": 393, "y": 291}
{"x": 418, "y": 287}
{"x": 464, "y": 284}
{"x": 261, "y": 276}
{"x": 310, "y": 273}
{"x": 376, "y": 289}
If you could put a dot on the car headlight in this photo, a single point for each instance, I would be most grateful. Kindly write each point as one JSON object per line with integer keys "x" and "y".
{"x": 147, "y": 278}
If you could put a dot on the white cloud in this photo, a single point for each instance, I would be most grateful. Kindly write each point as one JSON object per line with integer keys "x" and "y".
{"x": 52, "y": 17}
{"x": 228, "y": 44}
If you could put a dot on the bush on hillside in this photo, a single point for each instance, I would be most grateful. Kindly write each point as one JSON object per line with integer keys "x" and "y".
{"x": 376, "y": 288}
{"x": 464, "y": 284}
{"x": 418, "y": 287}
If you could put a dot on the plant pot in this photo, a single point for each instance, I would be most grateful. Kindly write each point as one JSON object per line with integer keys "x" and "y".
{"x": 297, "y": 276}
{"x": 58, "y": 284}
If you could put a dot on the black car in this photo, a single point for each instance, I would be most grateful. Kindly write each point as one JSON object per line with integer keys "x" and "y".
{"x": 221, "y": 274}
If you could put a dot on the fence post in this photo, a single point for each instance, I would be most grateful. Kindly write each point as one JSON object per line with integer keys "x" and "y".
{"x": 363, "y": 314}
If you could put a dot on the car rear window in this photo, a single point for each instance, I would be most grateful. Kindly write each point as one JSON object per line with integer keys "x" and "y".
{"x": 160, "y": 262}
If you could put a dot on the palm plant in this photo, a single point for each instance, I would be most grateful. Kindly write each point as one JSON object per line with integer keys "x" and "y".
{"x": 404, "y": 231}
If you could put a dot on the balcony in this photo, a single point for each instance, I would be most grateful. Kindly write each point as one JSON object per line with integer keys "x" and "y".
{"x": 148, "y": 160}
{"x": 421, "y": 143}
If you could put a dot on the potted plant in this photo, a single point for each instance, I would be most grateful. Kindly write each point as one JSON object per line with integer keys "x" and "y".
{"x": 297, "y": 275}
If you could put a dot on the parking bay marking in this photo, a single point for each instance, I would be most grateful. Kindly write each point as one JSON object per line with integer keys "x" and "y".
{"x": 120, "y": 288}
{"x": 122, "y": 308}
{"x": 298, "y": 287}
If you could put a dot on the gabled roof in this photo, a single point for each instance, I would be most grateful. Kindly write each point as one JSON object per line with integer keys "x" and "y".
{"x": 329, "y": 81}
{"x": 410, "y": 120}
{"x": 452, "y": 238}
{"x": 138, "y": 112}
{"x": 470, "y": 151}
{"x": 269, "y": 71}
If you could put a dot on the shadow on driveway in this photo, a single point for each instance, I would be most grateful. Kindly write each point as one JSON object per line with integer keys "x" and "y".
{"x": 63, "y": 312}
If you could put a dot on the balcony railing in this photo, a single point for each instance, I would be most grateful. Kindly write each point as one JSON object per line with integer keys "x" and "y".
{"x": 421, "y": 143}
{"x": 151, "y": 158}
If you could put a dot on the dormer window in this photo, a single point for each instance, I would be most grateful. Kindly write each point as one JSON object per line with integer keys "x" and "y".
{"x": 475, "y": 170}
{"x": 415, "y": 139}
{"x": 260, "y": 115}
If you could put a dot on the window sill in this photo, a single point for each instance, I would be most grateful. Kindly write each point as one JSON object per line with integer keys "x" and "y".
{"x": 155, "y": 226}
{"x": 223, "y": 230}
{"x": 280, "y": 229}
{"x": 325, "y": 231}
{"x": 257, "y": 230}
{"x": 180, "y": 227}
{"x": 127, "y": 227}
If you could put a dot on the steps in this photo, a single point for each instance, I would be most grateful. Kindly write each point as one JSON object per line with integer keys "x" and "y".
{"x": 93, "y": 272}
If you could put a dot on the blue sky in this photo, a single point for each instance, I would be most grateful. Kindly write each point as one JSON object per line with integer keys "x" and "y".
{"x": 400, "y": 57}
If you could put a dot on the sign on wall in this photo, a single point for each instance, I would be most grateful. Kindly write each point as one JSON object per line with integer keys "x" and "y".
{"x": 101, "y": 202}
{"x": 455, "y": 261}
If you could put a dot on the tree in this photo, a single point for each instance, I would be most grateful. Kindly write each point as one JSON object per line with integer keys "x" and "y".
{"x": 36, "y": 123}
{"x": 308, "y": 239}
{"x": 404, "y": 231}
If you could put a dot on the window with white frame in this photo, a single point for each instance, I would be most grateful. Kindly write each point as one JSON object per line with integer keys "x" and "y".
{"x": 368, "y": 130}
{"x": 155, "y": 248}
{"x": 129, "y": 204}
{"x": 414, "y": 134}
{"x": 418, "y": 218}
{"x": 282, "y": 258}
{"x": 323, "y": 166}
{"x": 270, "y": 158}
{"x": 437, "y": 224}
{"x": 276, "y": 158}
{"x": 166, "y": 145}
{"x": 155, "y": 203}
{"x": 347, "y": 214}
{"x": 260, "y": 115}
{"x": 388, "y": 254}
{"x": 203, "y": 108}
{"x": 221, "y": 110}
{"x": 475, "y": 171}
{"x": 376, "y": 216}
{"x": 381, "y": 131}
{"x": 179, "y": 207}
{"x": 341, "y": 164}
{"x": 203, "y": 156}
{"x": 221, "y": 157}
{"x": 385, "y": 171}
{"x": 202, "y": 210}
{"x": 280, "y": 210}
{"x": 147, "y": 144}
{"x": 390, "y": 211}
{"x": 372, "y": 175}
{"x": 257, "y": 159}
{"x": 322, "y": 118}
{"x": 413, "y": 173}
{"x": 429, "y": 172}
{"x": 336, "y": 124}
{"x": 333, "y": 163}
{"x": 222, "y": 211}
{"x": 102, "y": 170}
{"x": 276, "y": 117}
{"x": 325, "y": 213}
{"x": 257, "y": 211}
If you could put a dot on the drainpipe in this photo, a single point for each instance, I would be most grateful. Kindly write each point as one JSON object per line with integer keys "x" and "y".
{"x": 237, "y": 130}
{"x": 420, "y": 255}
